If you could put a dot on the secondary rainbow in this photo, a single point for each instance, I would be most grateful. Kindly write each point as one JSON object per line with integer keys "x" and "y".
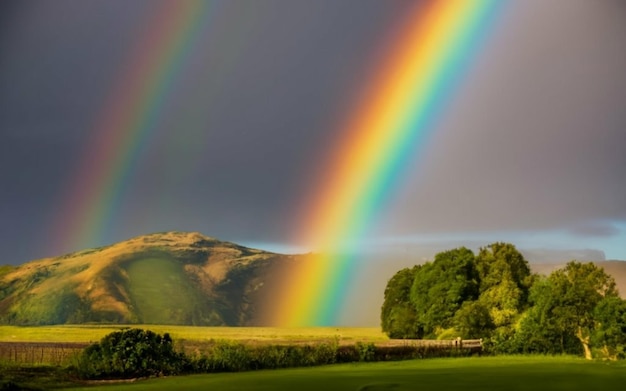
{"x": 127, "y": 121}
{"x": 425, "y": 62}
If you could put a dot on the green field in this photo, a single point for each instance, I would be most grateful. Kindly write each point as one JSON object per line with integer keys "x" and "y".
{"x": 534, "y": 373}
{"x": 485, "y": 373}
{"x": 87, "y": 333}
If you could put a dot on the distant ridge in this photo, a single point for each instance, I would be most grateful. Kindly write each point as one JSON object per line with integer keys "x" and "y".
{"x": 165, "y": 278}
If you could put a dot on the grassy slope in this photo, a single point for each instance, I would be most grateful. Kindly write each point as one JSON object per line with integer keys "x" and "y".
{"x": 490, "y": 373}
{"x": 160, "y": 291}
{"x": 181, "y": 277}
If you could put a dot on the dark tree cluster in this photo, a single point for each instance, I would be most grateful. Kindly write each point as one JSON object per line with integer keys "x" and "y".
{"x": 494, "y": 296}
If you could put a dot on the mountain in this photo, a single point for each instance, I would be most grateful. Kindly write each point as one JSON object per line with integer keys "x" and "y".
{"x": 162, "y": 278}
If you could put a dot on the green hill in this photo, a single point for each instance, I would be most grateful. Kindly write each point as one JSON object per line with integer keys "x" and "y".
{"x": 165, "y": 278}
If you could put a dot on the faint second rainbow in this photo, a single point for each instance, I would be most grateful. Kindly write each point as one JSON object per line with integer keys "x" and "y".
{"x": 426, "y": 60}
{"x": 128, "y": 120}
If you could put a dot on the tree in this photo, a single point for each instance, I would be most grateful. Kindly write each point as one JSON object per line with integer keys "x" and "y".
{"x": 398, "y": 316}
{"x": 610, "y": 327}
{"x": 565, "y": 304}
{"x": 505, "y": 280}
{"x": 502, "y": 261}
{"x": 131, "y": 353}
{"x": 441, "y": 287}
{"x": 473, "y": 320}
{"x": 538, "y": 330}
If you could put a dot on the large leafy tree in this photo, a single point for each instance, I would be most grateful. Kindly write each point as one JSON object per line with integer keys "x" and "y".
{"x": 566, "y": 305}
{"x": 610, "y": 327}
{"x": 398, "y": 316}
{"x": 473, "y": 320}
{"x": 505, "y": 279}
{"x": 499, "y": 260}
{"x": 539, "y": 331}
{"x": 440, "y": 288}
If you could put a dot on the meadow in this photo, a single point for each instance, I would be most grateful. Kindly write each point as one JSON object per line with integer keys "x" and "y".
{"x": 93, "y": 333}
{"x": 519, "y": 373}
{"x": 462, "y": 373}
{"x": 56, "y": 345}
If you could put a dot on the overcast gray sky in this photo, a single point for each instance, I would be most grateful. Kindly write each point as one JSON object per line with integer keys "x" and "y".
{"x": 531, "y": 150}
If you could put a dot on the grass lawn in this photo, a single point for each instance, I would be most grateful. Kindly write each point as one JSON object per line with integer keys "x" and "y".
{"x": 486, "y": 373}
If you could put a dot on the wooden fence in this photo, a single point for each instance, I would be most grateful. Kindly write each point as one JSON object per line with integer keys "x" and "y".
{"x": 473, "y": 344}
{"x": 51, "y": 353}
{"x": 55, "y": 353}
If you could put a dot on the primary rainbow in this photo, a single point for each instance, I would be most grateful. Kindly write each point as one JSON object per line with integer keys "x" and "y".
{"x": 426, "y": 62}
{"x": 127, "y": 122}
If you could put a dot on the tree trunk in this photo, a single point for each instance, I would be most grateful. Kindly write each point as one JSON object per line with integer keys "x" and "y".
{"x": 585, "y": 342}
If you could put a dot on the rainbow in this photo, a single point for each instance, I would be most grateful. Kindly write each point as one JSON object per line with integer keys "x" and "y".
{"x": 426, "y": 61}
{"x": 127, "y": 122}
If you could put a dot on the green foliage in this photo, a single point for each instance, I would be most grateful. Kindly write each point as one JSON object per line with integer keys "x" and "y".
{"x": 367, "y": 351}
{"x": 473, "y": 320}
{"x": 576, "y": 310}
{"x": 567, "y": 309}
{"x": 505, "y": 281}
{"x": 229, "y": 356}
{"x": 130, "y": 353}
{"x": 398, "y": 315}
{"x": 500, "y": 261}
{"x": 440, "y": 287}
{"x": 609, "y": 336}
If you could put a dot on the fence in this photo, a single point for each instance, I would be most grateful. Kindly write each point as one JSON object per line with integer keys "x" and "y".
{"x": 32, "y": 353}
{"x": 473, "y": 344}
{"x": 55, "y": 353}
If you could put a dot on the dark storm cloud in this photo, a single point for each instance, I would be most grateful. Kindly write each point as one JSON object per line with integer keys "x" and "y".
{"x": 265, "y": 97}
{"x": 238, "y": 133}
{"x": 535, "y": 138}
{"x": 595, "y": 230}
{"x": 551, "y": 256}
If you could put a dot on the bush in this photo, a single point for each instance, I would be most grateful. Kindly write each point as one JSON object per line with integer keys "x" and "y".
{"x": 135, "y": 353}
{"x": 230, "y": 356}
{"x": 130, "y": 353}
{"x": 366, "y": 351}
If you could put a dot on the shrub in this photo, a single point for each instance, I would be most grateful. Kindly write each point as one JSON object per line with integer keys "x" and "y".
{"x": 366, "y": 351}
{"x": 131, "y": 353}
{"x": 230, "y": 356}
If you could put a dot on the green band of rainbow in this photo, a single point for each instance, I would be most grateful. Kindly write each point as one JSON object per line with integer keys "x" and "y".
{"x": 128, "y": 122}
{"x": 426, "y": 63}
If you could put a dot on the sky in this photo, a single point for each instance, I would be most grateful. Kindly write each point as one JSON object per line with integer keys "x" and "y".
{"x": 530, "y": 149}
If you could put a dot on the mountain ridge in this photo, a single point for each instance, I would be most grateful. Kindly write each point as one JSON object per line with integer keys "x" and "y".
{"x": 196, "y": 279}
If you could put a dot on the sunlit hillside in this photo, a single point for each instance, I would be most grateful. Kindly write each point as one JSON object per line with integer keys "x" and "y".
{"x": 163, "y": 278}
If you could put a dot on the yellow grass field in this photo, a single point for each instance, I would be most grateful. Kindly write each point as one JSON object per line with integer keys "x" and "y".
{"x": 93, "y": 333}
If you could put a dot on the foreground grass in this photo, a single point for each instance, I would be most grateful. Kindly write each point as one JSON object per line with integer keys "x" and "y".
{"x": 93, "y": 333}
{"x": 33, "y": 377}
{"x": 486, "y": 373}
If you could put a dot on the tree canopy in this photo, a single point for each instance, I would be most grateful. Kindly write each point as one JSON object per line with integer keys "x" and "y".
{"x": 493, "y": 295}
